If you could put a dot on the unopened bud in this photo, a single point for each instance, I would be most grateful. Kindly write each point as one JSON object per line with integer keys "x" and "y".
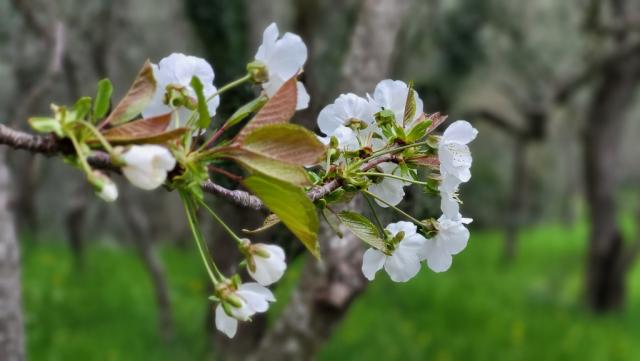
{"x": 258, "y": 72}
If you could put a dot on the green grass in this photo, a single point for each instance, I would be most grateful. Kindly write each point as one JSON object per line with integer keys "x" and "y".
{"x": 479, "y": 310}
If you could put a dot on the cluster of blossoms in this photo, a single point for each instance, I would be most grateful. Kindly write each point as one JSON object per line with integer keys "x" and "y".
{"x": 352, "y": 124}
{"x": 373, "y": 145}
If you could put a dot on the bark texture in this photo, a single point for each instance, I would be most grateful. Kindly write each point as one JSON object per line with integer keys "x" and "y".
{"x": 11, "y": 321}
{"x": 606, "y": 268}
{"x": 326, "y": 289}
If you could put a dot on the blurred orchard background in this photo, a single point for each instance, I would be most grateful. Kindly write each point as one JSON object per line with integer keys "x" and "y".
{"x": 549, "y": 273}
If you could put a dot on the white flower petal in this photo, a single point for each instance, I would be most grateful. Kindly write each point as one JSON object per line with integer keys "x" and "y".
{"x": 408, "y": 228}
{"x": 450, "y": 206}
{"x": 390, "y": 190}
{"x": 402, "y": 266}
{"x": 147, "y": 165}
{"x": 392, "y": 95}
{"x": 256, "y": 296}
{"x": 437, "y": 258}
{"x": 303, "y": 98}
{"x": 268, "y": 269}
{"x": 372, "y": 262}
{"x": 224, "y": 323}
{"x": 460, "y": 132}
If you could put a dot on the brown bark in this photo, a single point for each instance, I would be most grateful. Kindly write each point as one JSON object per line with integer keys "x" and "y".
{"x": 11, "y": 320}
{"x": 605, "y": 123}
{"x": 326, "y": 289}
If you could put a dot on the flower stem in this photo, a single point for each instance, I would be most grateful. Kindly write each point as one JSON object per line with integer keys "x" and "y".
{"x": 373, "y": 211}
{"x": 230, "y": 85}
{"x": 98, "y": 135}
{"x": 392, "y": 176}
{"x": 221, "y": 222}
{"x": 82, "y": 157}
{"x": 214, "y": 273}
{"x": 393, "y": 207}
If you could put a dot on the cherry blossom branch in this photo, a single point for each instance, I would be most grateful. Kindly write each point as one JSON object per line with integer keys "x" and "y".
{"x": 49, "y": 145}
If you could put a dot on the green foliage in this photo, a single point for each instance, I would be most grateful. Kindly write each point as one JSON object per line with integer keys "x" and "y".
{"x": 284, "y": 172}
{"x": 362, "y": 227}
{"x": 204, "y": 119}
{"x": 46, "y": 125}
{"x": 479, "y": 310}
{"x": 103, "y": 98}
{"x": 291, "y": 205}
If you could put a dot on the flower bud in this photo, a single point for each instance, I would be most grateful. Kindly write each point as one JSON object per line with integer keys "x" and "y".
{"x": 104, "y": 186}
{"x": 258, "y": 72}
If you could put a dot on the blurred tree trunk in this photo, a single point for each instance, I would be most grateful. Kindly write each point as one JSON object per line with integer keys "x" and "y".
{"x": 613, "y": 97}
{"x": 326, "y": 289}
{"x": 11, "y": 321}
{"x": 140, "y": 229}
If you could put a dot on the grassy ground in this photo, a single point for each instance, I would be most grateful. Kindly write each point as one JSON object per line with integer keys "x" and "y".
{"x": 480, "y": 310}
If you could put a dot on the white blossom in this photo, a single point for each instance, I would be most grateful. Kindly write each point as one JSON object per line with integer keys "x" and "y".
{"x": 106, "y": 189}
{"x": 266, "y": 263}
{"x": 392, "y": 95}
{"x": 284, "y": 59}
{"x": 403, "y": 262}
{"x": 451, "y": 239}
{"x": 147, "y": 165}
{"x": 177, "y": 70}
{"x": 253, "y": 298}
{"x": 391, "y": 190}
{"x": 454, "y": 154}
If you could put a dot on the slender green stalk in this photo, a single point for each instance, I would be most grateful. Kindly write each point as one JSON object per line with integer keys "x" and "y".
{"x": 98, "y": 135}
{"x": 375, "y": 215}
{"x": 83, "y": 158}
{"x": 221, "y": 222}
{"x": 228, "y": 86}
{"x": 392, "y": 207}
{"x": 392, "y": 176}
{"x": 214, "y": 273}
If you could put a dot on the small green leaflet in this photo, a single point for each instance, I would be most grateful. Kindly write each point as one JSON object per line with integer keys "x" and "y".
{"x": 410, "y": 106}
{"x": 204, "y": 119}
{"x": 103, "y": 97}
{"x": 362, "y": 228}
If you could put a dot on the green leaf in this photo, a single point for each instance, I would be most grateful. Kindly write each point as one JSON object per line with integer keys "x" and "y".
{"x": 362, "y": 228}
{"x": 288, "y": 143}
{"x": 245, "y": 110}
{"x": 291, "y": 205}
{"x": 137, "y": 98}
{"x": 103, "y": 98}
{"x": 82, "y": 107}
{"x": 409, "y": 106}
{"x": 204, "y": 119}
{"x": 419, "y": 130}
{"x": 46, "y": 125}
{"x": 278, "y": 109}
{"x": 257, "y": 163}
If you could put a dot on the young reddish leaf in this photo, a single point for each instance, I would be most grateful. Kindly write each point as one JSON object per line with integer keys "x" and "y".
{"x": 437, "y": 119}
{"x": 362, "y": 228}
{"x": 138, "y": 96}
{"x": 279, "y": 109}
{"x": 149, "y": 130}
{"x": 291, "y": 205}
{"x": 257, "y": 163}
{"x": 288, "y": 143}
{"x": 425, "y": 160}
